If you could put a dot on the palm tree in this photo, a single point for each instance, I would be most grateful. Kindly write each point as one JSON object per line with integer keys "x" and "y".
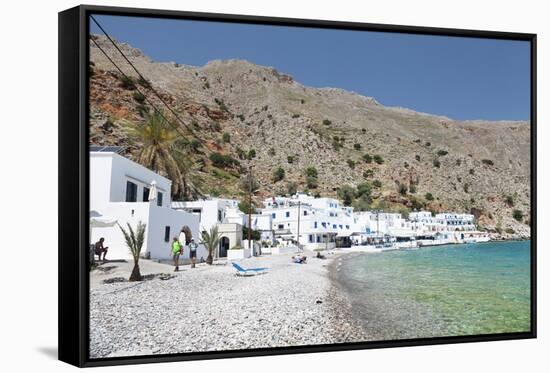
{"x": 157, "y": 152}
{"x": 211, "y": 241}
{"x": 134, "y": 241}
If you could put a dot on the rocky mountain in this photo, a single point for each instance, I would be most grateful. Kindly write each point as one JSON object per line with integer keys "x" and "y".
{"x": 263, "y": 118}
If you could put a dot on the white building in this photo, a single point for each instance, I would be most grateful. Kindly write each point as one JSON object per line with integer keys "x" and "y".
{"x": 313, "y": 222}
{"x": 119, "y": 188}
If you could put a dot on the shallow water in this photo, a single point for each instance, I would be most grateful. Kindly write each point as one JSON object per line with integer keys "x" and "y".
{"x": 440, "y": 291}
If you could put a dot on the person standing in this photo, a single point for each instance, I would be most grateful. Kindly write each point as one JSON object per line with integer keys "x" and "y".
{"x": 193, "y": 252}
{"x": 177, "y": 250}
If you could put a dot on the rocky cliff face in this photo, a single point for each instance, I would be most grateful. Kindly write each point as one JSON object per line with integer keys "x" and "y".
{"x": 265, "y": 119}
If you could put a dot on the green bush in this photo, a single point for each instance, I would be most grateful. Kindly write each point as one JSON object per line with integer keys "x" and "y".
{"x": 417, "y": 157}
{"x": 346, "y": 194}
{"x": 367, "y": 158}
{"x": 442, "y": 153}
{"x": 295, "y": 116}
{"x": 290, "y": 159}
{"x": 223, "y": 160}
{"x": 378, "y": 159}
{"x": 364, "y": 189}
{"x": 278, "y": 174}
{"x": 127, "y": 82}
{"x": 377, "y": 184}
{"x": 271, "y": 152}
{"x": 226, "y": 137}
{"x": 412, "y": 189}
{"x": 357, "y": 146}
{"x": 138, "y": 97}
{"x": 488, "y": 162}
{"x": 311, "y": 171}
{"x": 429, "y": 196}
{"x": 351, "y": 163}
{"x": 327, "y": 122}
{"x": 312, "y": 182}
{"x": 471, "y": 172}
{"x": 436, "y": 163}
{"x": 518, "y": 215}
{"x": 251, "y": 153}
{"x": 509, "y": 200}
{"x": 368, "y": 173}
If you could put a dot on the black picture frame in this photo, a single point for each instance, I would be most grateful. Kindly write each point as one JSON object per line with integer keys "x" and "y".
{"x": 74, "y": 188}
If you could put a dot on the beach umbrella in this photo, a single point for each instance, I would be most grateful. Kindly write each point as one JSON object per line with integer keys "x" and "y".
{"x": 153, "y": 191}
{"x": 97, "y": 220}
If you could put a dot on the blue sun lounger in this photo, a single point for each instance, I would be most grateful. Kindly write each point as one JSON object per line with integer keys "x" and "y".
{"x": 249, "y": 271}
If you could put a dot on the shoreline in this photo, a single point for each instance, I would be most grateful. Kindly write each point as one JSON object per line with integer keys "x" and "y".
{"x": 209, "y": 308}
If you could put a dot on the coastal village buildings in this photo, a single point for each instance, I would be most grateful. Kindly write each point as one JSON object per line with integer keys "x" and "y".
{"x": 128, "y": 192}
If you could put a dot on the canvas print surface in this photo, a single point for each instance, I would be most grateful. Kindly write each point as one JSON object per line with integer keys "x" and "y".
{"x": 257, "y": 186}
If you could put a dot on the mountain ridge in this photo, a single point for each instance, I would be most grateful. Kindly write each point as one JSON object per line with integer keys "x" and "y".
{"x": 466, "y": 165}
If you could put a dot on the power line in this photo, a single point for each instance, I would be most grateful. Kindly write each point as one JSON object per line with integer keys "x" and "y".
{"x": 137, "y": 89}
{"x": 150, "y": 87}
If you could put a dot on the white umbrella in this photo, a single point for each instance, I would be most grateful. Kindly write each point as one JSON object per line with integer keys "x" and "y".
{"x": 98, "y": 221}
{"x": 153, "y": 191}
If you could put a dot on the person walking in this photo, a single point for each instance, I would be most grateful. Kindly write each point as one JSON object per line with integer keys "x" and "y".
{"x": 177, "y": 250}
{"x": 193, "y": 252}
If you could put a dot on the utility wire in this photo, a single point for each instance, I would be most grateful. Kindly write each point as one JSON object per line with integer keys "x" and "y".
{"x": 143, "y": 79}
{"x": 137, "y": 89}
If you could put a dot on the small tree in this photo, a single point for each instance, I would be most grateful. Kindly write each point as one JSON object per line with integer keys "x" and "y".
{"x": 518, "y": 215}
{"x": 211, "y": 241}
{"x": 346, "y": 194}
{"x": 278, "y": 174}
{"x": 311, "y": 171}
{"x": 367, "y": 158}
{"x": 134, "y": 241}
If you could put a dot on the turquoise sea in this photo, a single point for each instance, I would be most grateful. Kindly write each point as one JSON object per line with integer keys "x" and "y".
{"x": 440, "y": 291}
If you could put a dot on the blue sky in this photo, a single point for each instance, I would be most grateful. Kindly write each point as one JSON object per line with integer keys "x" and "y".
{"x": 462, "y": 78}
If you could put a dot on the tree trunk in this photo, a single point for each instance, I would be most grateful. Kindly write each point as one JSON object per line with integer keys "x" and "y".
{"x": 136, "y": 275}
{"x": 209, "y": 259}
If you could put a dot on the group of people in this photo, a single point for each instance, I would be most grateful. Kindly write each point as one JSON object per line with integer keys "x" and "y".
{"x": 299, "y": 259}
{"x": 178, "y": 250}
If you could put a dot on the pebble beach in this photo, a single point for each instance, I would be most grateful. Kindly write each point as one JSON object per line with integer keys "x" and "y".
{"x": 209, "y": 308}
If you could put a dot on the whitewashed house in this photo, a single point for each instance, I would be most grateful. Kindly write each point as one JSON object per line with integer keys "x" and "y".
{"x": 120, "y": 188}
{"x": 313, "y": 222}
{"x": 220, "y": 212}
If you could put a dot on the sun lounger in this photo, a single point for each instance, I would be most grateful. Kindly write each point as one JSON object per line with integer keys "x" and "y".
{"x": 248, "y": 271}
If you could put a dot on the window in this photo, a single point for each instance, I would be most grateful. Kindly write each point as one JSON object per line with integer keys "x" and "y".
{"x": 131, "y": 192}
{"x": 347, "y": 226}
{"x": 159, "y": 199}
{"x": 318, "y": 239}
{"x": 333, "y": 226}
{"x": 219, "y": 215}
{"x": 341, "y": 226}
{"x": 310, "y": 238}
{"x": 281, "y": 226}
{"x": 274, "y": 215}
{"x": 287, "y": 214}
{"x": 167, "y": 233}
{"x": 315, "y": 224}
{"x": 145, "y": 194}
{"x": 305, "y": 212}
